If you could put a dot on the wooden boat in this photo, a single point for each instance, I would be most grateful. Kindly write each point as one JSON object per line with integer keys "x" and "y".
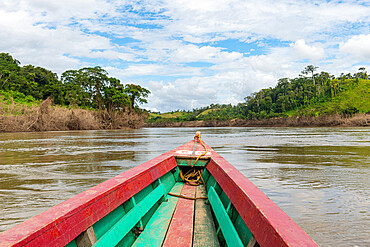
{"x": 150, "y": 205}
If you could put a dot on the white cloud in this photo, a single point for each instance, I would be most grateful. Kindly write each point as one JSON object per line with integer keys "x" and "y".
{"x": 357, "y": 47}
{"x": 182, "y": 93}
{"x": 153, "y": 70}
{"x": 177, "y": 40}
{"x": 231, "y": 83}
{"x": 303, "y": 51}
{"x": 285, "y": 20}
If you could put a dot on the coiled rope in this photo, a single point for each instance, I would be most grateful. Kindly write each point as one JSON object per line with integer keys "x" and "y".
{"x": 193, "y": 177}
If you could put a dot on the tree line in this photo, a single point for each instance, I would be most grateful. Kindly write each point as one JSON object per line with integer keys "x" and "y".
{"x": 89, "y": 88}
{"x": 299, "y": 92}
{"x": 296, "y": 94}
{"x": 93, "y": 88}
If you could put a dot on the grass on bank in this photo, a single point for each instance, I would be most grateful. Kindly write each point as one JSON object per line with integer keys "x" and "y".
{"x": 19, "y": 113}
{"x": 354, "y": 98}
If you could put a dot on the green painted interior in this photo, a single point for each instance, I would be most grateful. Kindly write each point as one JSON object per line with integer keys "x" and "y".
{"x": 228, "y": 229}
{"x": 176, "y": 174}
{"x": 243, "y": 232}
{"x": 136, "y": 212}
{"x": 103, "y": 225}
{"x": 72, "y": 244}
{"x": 114, "y": 235}
{"x": 156, "y": 229}
{"x": 152, "y": 209}
{"x": 190, "y": 162}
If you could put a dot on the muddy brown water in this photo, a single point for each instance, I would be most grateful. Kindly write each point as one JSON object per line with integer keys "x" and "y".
{"x": 319, "y": 176}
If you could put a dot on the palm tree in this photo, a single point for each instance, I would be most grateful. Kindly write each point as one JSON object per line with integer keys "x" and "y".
{"x": 308, "y": 69}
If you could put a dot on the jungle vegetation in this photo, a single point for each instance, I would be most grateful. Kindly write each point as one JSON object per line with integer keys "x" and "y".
{"x": 309, "y": 94}
{"x": 89, "y": 88}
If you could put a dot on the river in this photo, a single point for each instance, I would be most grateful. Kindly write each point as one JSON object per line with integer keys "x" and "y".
{"x": 319, "y": 176}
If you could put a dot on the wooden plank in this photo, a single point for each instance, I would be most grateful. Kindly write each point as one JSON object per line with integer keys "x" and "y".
{"x": 122, "y": 227}
{"x": 204, "y": 227}
{"x": 190, "y": 162}
{"x": 180, "y": 232}
{"x": 228, "y": 230}
{"x": 253, "y": 243}
{"x": 87, "y": 238}
{"x": 136, "y": 199}
{"x": 156, "y": 229}
{"x": 128, "y": 240}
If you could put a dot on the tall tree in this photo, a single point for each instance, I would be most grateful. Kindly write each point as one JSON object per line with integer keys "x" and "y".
{"x": 362, "y": 73}
{"x": 137, "y": 94}
{"x": 115, "y": 97}
{"x": 74, "y": 92}
{"x": 93, "y": 80}
{"x": 310, "y": 69}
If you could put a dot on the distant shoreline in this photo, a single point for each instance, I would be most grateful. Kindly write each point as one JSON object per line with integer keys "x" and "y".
{"x": 358, "y": 120}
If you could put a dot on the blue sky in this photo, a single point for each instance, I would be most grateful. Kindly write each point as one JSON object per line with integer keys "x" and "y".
{"x": 189, "y": 53}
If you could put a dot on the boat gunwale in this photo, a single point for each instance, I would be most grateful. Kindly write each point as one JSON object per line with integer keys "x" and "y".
{"x": 269, "y": 224}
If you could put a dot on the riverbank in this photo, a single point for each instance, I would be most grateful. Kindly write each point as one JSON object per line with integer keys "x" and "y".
{"x": 357, "y": 120}
{"x": 16, "y": 117}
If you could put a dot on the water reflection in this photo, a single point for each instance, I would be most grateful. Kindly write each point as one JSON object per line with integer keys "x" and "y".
{"x": 318, "y": 176}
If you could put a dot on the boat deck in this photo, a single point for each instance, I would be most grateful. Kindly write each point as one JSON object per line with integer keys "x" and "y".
{"x": 171, "y": 213}
{"x": 180, "y": 221}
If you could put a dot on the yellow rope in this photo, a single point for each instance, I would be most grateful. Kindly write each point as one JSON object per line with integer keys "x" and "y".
{"x": 205, "y": 148}
{"x": 193, "y": 176}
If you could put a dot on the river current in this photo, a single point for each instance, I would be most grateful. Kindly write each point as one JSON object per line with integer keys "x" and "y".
{"x": 319, "y": 176}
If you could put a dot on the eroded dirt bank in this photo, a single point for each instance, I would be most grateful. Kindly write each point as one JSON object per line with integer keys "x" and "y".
{"x": 46, "y": 117}
{"x": 358, "y": 120}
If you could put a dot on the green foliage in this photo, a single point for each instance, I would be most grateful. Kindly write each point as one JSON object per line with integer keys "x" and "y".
{"x": 86, "y": 88}
{"x": 17, "y": 97}
{"x": 137, "y": 94}
{"x": 115, "y": 98}
{"x": 353, "y": 96}
{"x": 312, "y": 96}
{"x": 308, "y": 94}
{"x": 315, "y": 95}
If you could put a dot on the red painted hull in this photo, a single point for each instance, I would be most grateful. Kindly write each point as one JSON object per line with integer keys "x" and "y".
{"x": 64, "y": 222}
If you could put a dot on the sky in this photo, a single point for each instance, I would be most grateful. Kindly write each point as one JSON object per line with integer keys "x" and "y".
{"x": 189, "y": 53}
